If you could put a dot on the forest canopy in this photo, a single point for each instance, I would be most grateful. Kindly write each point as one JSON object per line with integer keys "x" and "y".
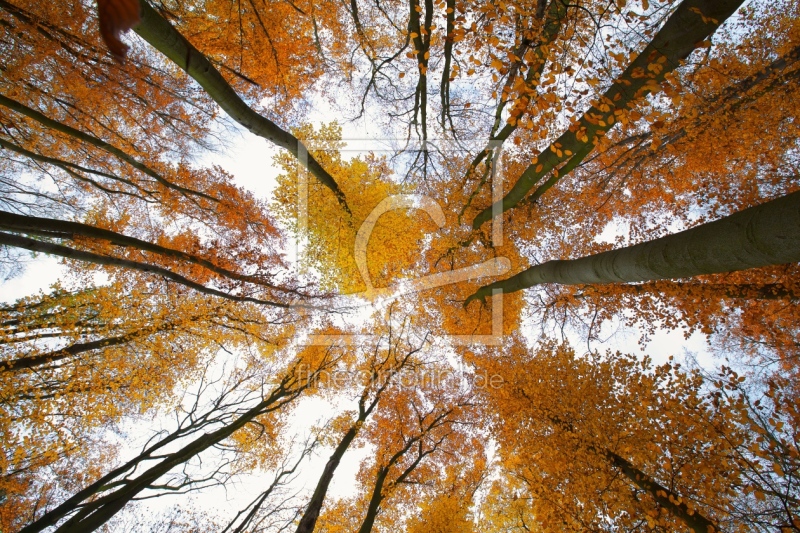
{"x": 460, "y": 298}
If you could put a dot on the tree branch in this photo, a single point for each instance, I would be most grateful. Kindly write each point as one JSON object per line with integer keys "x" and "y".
{"x": 160, "y": 34}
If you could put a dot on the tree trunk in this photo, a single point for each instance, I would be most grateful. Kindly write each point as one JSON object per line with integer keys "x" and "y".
{"x": 309, "y": 520}
{"x": 93, "y": 514}
{"x": 34, "y": 245}
{"x": 374, "y": 501}
{"x": 717, "y": 291}
{"x": 33, "y": 361}
{"x": 668, "y": 499}
{"x": 162, "y": 36}
{"x": 692, "y": 22}
{"x": 68, "y": 230}
{"x": 763, "y": 235}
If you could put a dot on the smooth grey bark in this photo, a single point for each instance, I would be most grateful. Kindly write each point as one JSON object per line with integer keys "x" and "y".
{"x": 733, "y": 291}
{"x": 762, "y": 235}
{"x": 162, "y": 36}
{"x": 692, "y": 22}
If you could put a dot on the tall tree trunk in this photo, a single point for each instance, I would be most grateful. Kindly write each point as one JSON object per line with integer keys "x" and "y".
{"x": 374, "y": 501}
{"x": 68, "y": 230}
{"x": 665, "y": 497}
{"x": 34, "y": 245}
{"x": 33, "y": 361}
{"x": 377, "y": 491}
{"x": 763, "y": 235}
{"x": 692, "y": 22}
{"x": 162, "y": 36}
{"x": 717, "y": 291}
{"x": 365, "y": 407}
{"x": 309, "y": 520}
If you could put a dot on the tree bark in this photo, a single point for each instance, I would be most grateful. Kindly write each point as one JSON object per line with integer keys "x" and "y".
{"x": 162, "y": 36}
{"x": 692, "y": 22}
{"x": 380, "y": 480}
{"x": 309, "y": 520}
{"x": 365, "y": 407}
{"x": 763, "y": 235}
{"x": 668, "y": 499}
{"x": 73, "y": 349}
{"x": 719, "y": 291}
{"x": 374, "y": 501}
{"x": 35, "y": 225}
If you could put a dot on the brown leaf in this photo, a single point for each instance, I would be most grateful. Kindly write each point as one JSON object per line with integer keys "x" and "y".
{"x": 116, "y": 18}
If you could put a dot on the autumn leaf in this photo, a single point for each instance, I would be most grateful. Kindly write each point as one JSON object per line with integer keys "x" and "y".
{"x": 116, "y": 18}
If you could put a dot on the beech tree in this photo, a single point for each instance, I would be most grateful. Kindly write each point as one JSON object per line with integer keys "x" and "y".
{"x": 550, "y": 171}
{"x": 759, "y": 236}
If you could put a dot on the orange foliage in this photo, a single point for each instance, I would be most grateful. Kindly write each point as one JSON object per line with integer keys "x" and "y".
{"x": 468, "y": 419}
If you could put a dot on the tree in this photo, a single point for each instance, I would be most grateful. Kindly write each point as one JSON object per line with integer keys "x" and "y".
{"x": 581, "y": 424}
{"x": 108, "y": 495}
{"x": 650, "y": 153}
{"x": 762, "y": 235}
{"x": 379, "y": 368}
{"x": 73, "y": 362}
